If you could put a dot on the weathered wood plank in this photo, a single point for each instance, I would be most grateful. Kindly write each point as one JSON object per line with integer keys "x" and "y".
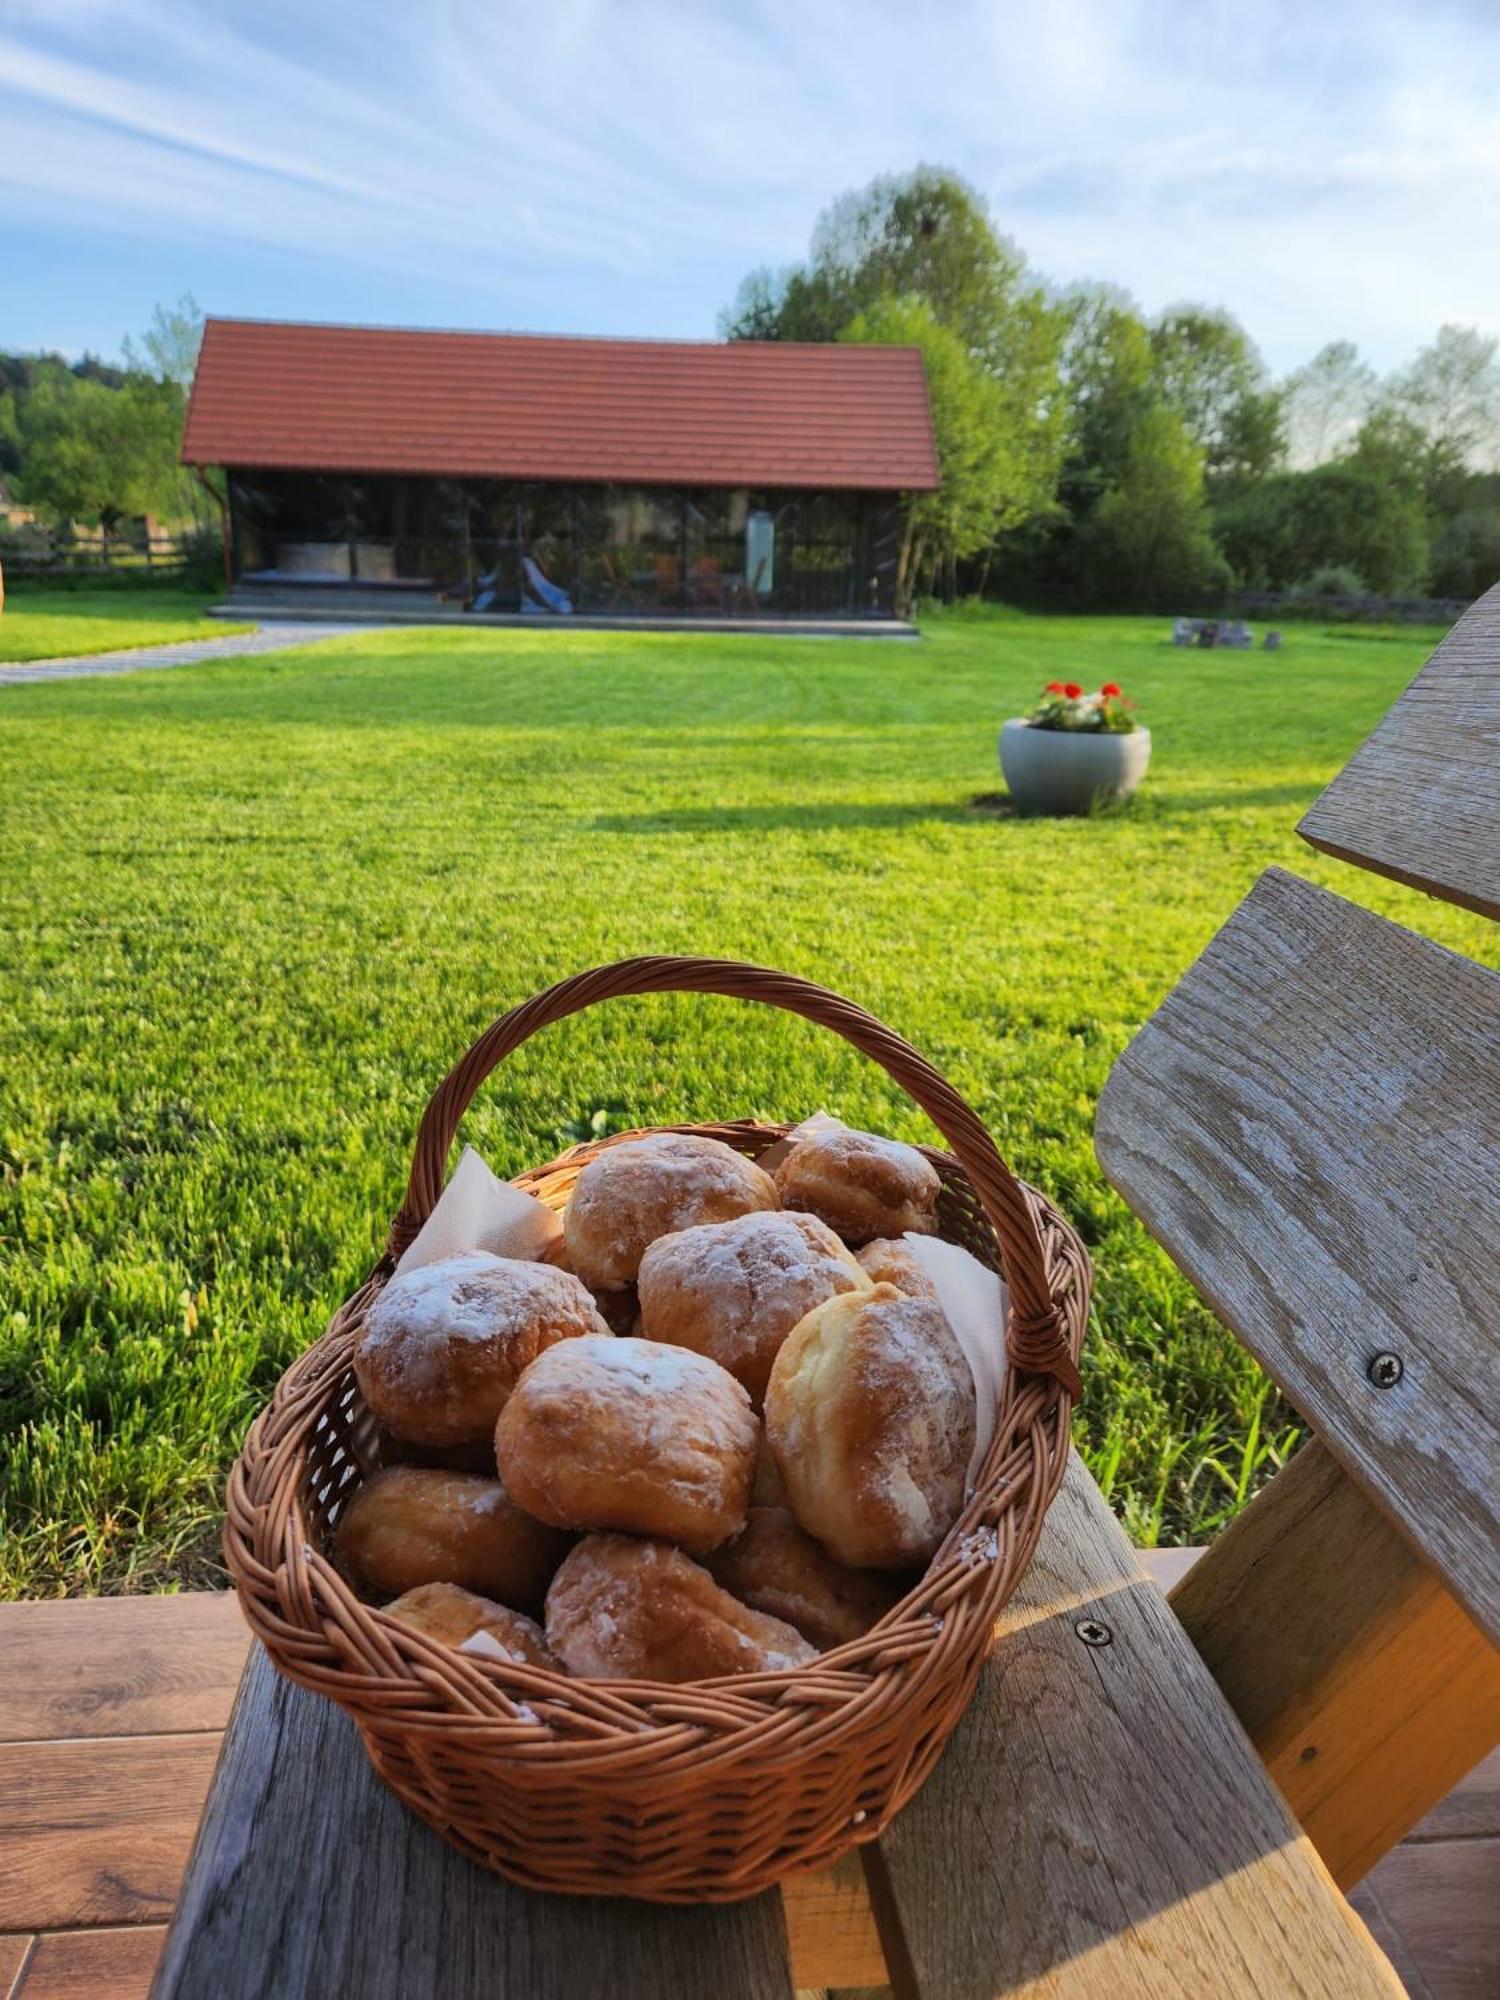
{"x": 13, "y": 1953}
{"x": 93, "y": 1965}
{"x": 120, "y": 1666}
{"x": 97, "y": 1832}
{"x": 1472, "y": 1808}
{"x": 831, "y": 1929}
{"x": 1310, "y": 1125}
{"x": 1369, "y": 1909}
{"x": 1362, "y": 1683}
{"x": 80, "y": 1666}
{"x": 272, "y": 1905}
{"x": 1442, "y": 1903}
{"x": 1099, "y": 1823}
{"x": 1418, "y": 800}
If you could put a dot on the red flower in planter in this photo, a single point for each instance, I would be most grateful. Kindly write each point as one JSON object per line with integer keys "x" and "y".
{"x": 1072, "y": 690}
{"x": 1109, "y": 688}
{"x": 1053, "y": 687}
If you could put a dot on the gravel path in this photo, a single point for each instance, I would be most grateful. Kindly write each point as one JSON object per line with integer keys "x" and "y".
{"x": 265, "y": 639}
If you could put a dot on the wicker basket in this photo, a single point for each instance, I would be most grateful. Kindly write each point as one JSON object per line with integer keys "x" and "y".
{"x": 715, "y": 1790}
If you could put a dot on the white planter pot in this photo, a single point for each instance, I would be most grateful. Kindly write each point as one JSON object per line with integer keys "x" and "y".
{"x": 1070, "y": 770}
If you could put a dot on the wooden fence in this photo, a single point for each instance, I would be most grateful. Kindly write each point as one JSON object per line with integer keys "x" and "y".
{"x": 35, "y": 553}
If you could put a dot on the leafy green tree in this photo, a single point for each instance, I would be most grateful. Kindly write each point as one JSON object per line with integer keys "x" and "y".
{"x": 96, "y": 454}
{"x": 926, "y": 235}
{"x": 168, "y": 349}
{"x": 1466, "y": 553}
{"x": 981, "y": 491}
{"x": 1326, "y": 402}
{"x": 1108, "y": 370}
{"x": 1365, "y": 511}
{"x": 1149, "y": 541}
{"x": 1451, "y": 394}
{"x": 1209, "y": 372}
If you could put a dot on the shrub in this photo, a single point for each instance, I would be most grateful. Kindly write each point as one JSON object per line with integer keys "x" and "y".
{"x": 1330, "y": 580}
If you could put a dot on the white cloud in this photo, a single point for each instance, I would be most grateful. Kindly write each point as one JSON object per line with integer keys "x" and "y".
{"x": 1320, "y": 171}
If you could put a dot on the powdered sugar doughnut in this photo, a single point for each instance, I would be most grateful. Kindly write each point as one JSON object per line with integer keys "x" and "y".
{"x": 776, "y": 1567}
{"x": 623, "y": 1610}
{"x": 459, "y": 1618}
{"x": 444, "y": 1344}
{"x": 609, "y": 1432}
{"x": 870, "y": 1415}
{"x": 860, "y": 1185}
{"x": 889, "y": 1261}
{"x": 409, "y": 1525}
{"x": 631, "y": 1193}
{"x": 734, "y": 1290}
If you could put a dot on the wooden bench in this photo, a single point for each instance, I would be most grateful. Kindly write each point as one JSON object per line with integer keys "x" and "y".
{"x": 1310, "y": 1126}
{"x": 111, "y": 1715}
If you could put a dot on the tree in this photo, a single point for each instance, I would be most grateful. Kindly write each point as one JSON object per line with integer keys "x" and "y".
{"x": 926, "y": 235}
{"x": 1209, "y": 372}
{"x": 1466, "y": 553}
{"x": 981, "y": 492}
{"x": 1451, "y": 393}
{"x": 1364, "y": 511}
{"x": 1327, "y": 401}
{"x": 1149, "y": 542}
{"x": 91, "y": 453}
{"x": 168, "y": 350}
{"x": 1108, "y": 371}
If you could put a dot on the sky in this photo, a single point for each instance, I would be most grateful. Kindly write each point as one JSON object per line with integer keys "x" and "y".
{"x": 1324, "y": 169}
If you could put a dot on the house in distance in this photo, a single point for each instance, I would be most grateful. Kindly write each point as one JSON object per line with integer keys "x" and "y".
{"x": 553, "y": 478}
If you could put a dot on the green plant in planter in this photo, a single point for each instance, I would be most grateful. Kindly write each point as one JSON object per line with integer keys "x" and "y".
{"x": 1064, "y": 705}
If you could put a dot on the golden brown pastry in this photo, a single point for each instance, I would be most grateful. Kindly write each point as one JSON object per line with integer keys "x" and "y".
{"x": 624, "y": 1610}
{"x": 734, "y": 1290}
{"x": 474, "y": 1624}
{"x": 606, "y": 1432}
{"x": 443, "y": 1345}
{"x": 860, "y": 1185}
{"x": 776, "y": 1567}
{"x": 889, "y": 1261}
{"x": 411, "y": 1524}
{"x": 870, "y": 1415}
{"x": 640, "y": 1189}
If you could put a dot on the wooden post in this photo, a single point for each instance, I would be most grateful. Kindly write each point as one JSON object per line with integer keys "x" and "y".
{"x": 1365, "y": 1686}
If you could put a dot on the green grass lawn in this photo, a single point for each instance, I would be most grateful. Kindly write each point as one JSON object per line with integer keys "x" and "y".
{"x": 41, "y": 624}
{"x": 251, "y": 911}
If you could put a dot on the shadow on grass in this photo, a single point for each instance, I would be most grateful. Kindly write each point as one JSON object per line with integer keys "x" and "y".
{"x": 814, "y": 817}
{"x": 818, "y": 816}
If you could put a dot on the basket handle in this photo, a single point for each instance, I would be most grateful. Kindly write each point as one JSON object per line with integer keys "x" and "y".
{"x": 1038, "y": 1340}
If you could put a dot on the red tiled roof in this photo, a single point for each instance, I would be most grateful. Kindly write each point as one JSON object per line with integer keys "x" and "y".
{"x": 520, "y": 406}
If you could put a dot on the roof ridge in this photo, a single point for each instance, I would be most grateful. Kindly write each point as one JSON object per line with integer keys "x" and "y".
{"x": 571, "y": 339}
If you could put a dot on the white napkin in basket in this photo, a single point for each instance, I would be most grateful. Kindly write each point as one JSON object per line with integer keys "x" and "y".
{"x": 976, "y": 1304}
{"x": 479, "y": 1211}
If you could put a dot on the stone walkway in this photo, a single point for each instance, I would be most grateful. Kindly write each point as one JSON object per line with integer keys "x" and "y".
{"x": 187, "y": 653}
